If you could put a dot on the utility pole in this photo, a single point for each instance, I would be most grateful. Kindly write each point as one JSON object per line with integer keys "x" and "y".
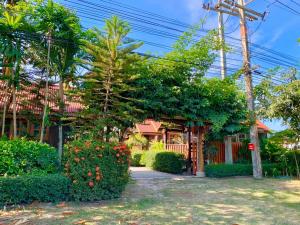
{"x": 222, "y": 39}
{"x": 238, "y": 9}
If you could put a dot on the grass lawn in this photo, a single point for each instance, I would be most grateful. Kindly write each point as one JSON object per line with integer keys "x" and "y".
{"x": 181, "y": 201}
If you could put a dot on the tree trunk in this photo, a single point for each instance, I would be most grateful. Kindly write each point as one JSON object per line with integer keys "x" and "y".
{"x": 14, "y": 107}
{"x": 60, "y": 127}
{"x": 6, "y": 103}
{"x": 46, "y": 90}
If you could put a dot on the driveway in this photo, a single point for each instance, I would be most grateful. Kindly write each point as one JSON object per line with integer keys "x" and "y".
{"x": 140, "y": 173}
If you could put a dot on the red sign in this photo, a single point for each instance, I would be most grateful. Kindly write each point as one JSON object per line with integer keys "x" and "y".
{"x": 251, "y": 147}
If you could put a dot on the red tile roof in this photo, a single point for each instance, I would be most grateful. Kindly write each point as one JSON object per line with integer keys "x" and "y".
{"x": 262, "y": 126}
{"x": 31, "y": 98}
{"x": 149, "y": 126}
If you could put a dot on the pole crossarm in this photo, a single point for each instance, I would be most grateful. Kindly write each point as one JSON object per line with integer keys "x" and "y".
{"x": 251, "y": 11}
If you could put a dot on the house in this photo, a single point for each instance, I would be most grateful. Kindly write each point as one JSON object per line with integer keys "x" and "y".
{"x": 175, "y": 138}
{"x": 30, "y": 106}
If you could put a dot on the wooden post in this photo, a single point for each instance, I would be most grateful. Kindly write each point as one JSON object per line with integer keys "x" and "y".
{"x": 256, "y": 160}
{"x": 200, "y": 145}
{"x": 228, "y": 150}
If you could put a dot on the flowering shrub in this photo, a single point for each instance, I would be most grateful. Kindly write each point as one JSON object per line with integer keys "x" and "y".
{"x": 97, "y": 170}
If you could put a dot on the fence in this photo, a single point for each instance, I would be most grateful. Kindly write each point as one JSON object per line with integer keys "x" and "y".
{"x": 217, "y": 158}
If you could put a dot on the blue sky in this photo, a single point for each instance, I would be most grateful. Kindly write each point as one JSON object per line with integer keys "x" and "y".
{"x": 279, "y": 31}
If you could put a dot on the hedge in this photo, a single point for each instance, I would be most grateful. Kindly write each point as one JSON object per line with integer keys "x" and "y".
{"x": 97, "y": 170}
{"x": 169, "y": 162}
{"x": 29, "y": 188}
{"x": 164, "y": 161}
{"x": 20, "y": 156}
{"x": 136, "y": 156}
{"x": 227, "y": 170}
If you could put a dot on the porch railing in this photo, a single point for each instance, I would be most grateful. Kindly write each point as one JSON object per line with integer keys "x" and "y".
{"x": 178, "y": 148}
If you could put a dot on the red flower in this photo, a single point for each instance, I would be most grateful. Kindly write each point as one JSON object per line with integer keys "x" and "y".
{"x": 90, "y": 174}
{"x": 118, "y": 155}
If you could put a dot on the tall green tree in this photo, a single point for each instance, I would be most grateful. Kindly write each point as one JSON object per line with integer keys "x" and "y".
{"x": 110, "y": 63}
{"x": 280, "y": 101}
{"x": 62, "y": 29}
{"x": 13, "y": 20}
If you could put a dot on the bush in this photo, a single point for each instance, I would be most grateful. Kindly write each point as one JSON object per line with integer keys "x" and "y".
{"x": 148, "y": 158}
{"x": 228, "y": 170}
{"x": 136, "y": 157}
{"x": 157, "y": 146}
{"x": 21, "y": 156}
{"x": 29, "y": 188}
{"x": 169, "y": 162}
{"x": 273, "y": 152}
{"x": 97, "y": 170}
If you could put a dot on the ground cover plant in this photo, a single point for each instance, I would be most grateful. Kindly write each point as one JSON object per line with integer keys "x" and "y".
{"x": 178, "y": 201}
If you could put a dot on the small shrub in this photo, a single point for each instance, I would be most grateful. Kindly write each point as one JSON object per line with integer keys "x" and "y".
{"x": 228, "y": 170}
{"x": 29, "y": 188}
{"x": 97, "y": 170}
{"x": 136, "y": 157}
{"x": 169, "y": 162}
{"x": 21, "y": 156}
{"x": 148, "y": 158}
{"x": 157, "y": 146}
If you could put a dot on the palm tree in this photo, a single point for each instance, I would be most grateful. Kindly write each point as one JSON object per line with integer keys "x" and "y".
{"x": 63, "y": 28}
{"x": 12, "y": 20}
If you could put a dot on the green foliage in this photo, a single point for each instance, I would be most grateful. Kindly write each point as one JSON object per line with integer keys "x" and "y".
{"x": 29, "y": 188}
{"x": 273, "y": 151}
{"x": 244, "y": 155}
{"x": 136, "y": 157}
{"x": 164, "y": 161}
{"x": 148, "y": 158}
{"x": 169, "y": 162}
{"x": 136, "y": 140}
{"x": 228, "y": 170}
{"x": 97, "y": 170}
{"x": 280, "y": 101}
{"x": 20, "y": 156}
{"x": 112, "y": 67}
{"x": 157, "y": 146}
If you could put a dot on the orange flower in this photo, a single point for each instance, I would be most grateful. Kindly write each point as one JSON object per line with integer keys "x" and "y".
{"x": 97, "y": 168}
{"x": 76, "y": 159}
{"x": 97, "y": 148}
{"x": 98, "y": 178}
{"x": 91, "y": 184}
{"x": 87, "y": 144}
